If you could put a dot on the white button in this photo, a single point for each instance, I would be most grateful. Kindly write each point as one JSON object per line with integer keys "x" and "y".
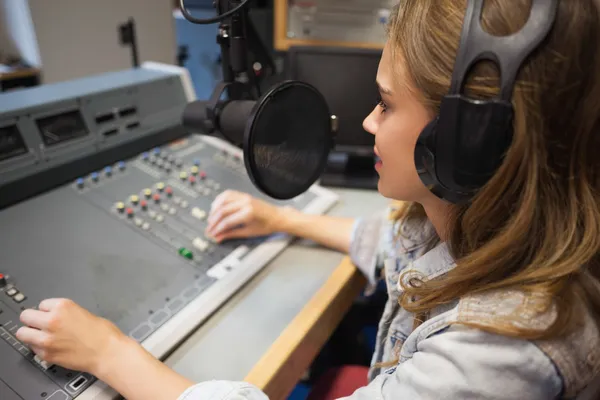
{"x": 138, "y": 222}
{"x": 172, "y": 211}
{"x": 152, "y": 214}
{"x": 206, "y": 192}
{"x": 198, "y": 213}
{"x": 12, "y": 291}
{"x": 19, "y": 297}
{"x": 177, "y": 200}
{"x": 200, "y": 244}
{"x": 160, "y": 218}
{"x": 184, "y": 204}
{"x": 164, "y": 207}
{"x": 146, "y": 226}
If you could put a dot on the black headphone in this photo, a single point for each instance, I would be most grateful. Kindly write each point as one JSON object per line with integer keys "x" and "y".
{"x": 461, "y": 149}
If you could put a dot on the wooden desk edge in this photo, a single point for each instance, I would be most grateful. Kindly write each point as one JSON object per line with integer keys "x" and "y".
{"x": 280, "y": 368}
{"x": 19, "y": 73}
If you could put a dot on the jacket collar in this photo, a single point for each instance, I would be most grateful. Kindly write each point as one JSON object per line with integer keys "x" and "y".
{"x": 434, "y": 263}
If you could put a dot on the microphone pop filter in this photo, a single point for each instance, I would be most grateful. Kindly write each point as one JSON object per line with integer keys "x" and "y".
{"x": 287, "y": 139}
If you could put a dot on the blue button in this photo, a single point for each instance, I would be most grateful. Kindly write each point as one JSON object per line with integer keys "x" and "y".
{"x": 80, "y": 182}
{"x": 196, "y": 162}
{"x": 121, "y": 165}
{"x": 145, "y": 155}
{"x": 94, "y": 176}
{"x": 108, "y": 170}
{"x": 156, "y": 151}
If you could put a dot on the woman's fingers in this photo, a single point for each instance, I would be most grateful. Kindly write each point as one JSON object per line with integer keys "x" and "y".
{"x": 225, "y": 197}
{"x": 32, "y": 337}
{"x": 236, "y": 233}
{"x": 232, "y": 221}
{"x": 217, "y": 215}
{"x": 36, "y": 319}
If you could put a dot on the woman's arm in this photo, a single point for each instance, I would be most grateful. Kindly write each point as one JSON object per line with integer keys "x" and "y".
{"x": 238, "y": 215}
{"x": 332, "y": 232}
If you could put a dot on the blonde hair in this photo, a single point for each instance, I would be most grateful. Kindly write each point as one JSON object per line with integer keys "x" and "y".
{"x": 536, "y": 225}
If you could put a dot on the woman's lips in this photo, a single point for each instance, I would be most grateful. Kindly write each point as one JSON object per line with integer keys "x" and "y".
{"x": 378, "y": 162}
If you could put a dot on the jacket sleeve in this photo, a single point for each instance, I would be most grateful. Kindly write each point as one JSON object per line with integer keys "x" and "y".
{"x": 367, "y": 245}
{"x": 223, "y": 390}
{"x": 464, "y": 363}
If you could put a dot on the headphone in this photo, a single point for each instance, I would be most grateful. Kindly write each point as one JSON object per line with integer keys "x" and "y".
{"x": 462, "y": 147}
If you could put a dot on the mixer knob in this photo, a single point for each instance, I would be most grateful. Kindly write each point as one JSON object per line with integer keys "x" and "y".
{"x": 169, "y": 191}
{"x": 153, "y": 160}
{"x": 160, "y": 186}
{"x": 156, "y": 198}
{"x": 194, "y": 170}
{"x": 160, "y": 163}
{"x": 145, "y": 156}
{"x": 192, "y": 180}
{"x": 183, "y": 176}
{"x": 2, "y": 280}
{"x": 95, "y": 176}
{"x": 130, "y": 212}
{"x": 156, "y": 151}
{"x": 167, "y": 168}
{"x": 121, "y": 165}
{"x": 178, "y": 163}
{"x": 202, "y": 175}
{"x": 134, "y": 199}
{"x": 196, "y": 162}
{"x": 120, "y": 206}
{"x": 108, "y": 171}
{"x": 165, "y": 156}
{"x": 80, "y": 183}
{"x": 144, "y": 205}
{"x": 147, "y": 193}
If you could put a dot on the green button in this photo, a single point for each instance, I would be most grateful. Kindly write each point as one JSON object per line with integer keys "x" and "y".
{"x": 186, "y": 253}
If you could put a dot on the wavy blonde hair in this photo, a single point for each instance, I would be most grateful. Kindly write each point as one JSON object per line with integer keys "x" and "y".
{"x": 536, "y": 225}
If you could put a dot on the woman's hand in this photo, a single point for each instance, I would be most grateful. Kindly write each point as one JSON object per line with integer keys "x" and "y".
{"x": 236, "y": 215}
{"x": 63, "y": 333}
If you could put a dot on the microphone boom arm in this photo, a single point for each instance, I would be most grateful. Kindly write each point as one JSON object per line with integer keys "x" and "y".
{"x": 236, "y": 35}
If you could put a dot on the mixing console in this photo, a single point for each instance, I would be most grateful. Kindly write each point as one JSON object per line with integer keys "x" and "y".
{"x": 116, "y": 222}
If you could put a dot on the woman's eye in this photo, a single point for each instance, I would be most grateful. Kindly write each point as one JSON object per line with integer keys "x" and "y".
{"x": 382, "y": 104}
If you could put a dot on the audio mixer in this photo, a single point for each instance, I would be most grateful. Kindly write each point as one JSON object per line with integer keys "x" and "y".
{"x": 103, "y": 200}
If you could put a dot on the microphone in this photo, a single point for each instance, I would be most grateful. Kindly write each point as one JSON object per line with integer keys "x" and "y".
{"x": 286, "y": 133}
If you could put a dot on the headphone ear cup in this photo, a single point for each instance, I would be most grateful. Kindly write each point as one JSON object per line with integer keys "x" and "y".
{"x": 425, "y": 153}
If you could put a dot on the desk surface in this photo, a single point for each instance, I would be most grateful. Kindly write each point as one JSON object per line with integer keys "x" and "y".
{"x": 239, "y": 334}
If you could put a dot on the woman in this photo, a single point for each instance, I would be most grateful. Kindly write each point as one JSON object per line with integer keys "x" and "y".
{"x": 498, "y": 298}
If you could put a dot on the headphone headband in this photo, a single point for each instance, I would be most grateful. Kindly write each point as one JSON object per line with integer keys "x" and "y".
{"x": 461, "y": 149}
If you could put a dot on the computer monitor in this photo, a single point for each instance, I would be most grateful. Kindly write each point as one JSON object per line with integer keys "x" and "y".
{"x": 346, "y": 78}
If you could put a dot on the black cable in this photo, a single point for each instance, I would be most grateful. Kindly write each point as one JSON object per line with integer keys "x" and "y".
{"x": 206, "y": 21}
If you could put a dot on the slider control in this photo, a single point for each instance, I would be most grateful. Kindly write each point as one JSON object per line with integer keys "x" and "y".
{"x": 44, "y": 364}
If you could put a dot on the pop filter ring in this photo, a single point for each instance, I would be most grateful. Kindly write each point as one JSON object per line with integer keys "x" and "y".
{"x": 249, "y": 159}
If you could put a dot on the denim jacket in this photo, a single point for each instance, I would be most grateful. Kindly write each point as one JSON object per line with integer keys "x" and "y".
{"x": 442, "y": 358}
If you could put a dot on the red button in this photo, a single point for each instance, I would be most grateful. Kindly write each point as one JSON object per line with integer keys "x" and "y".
{"x": 192, "y": 180}
{"x": 169, "y": 191}
{"x": 144, "y": 204}
{"x": 130, "y": 212}
{"x": 156, "y": 197}
{"x": 202, "y": 174}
